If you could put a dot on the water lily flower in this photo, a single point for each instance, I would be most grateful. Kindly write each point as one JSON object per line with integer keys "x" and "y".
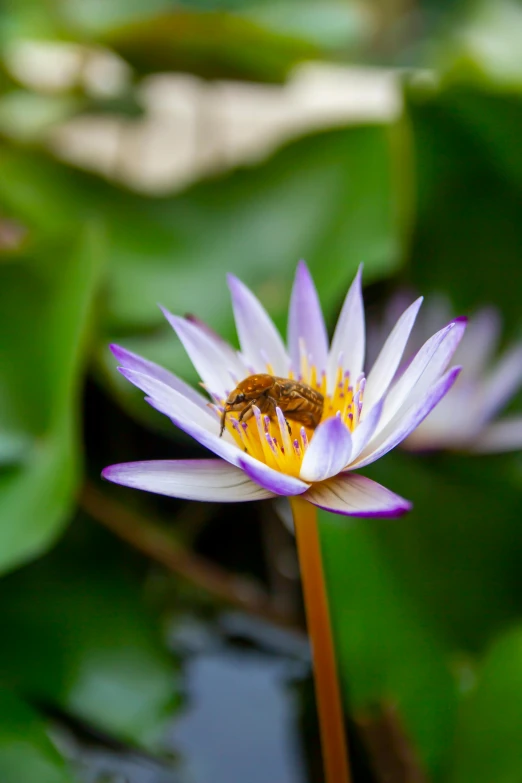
{"x": 466, "y": 419}
{"x": 264, "y": 456}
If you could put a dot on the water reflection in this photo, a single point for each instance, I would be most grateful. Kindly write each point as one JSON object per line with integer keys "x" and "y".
{"x": 241, "y": 717}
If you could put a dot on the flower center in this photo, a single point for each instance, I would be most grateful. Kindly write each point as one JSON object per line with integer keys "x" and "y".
{"x": 280, "y": 442}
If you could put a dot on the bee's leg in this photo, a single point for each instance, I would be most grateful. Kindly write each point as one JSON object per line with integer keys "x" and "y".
{"x": 247, "y": 411}
{"x": 275, "y": 405}
{"x": 223, "y": 419}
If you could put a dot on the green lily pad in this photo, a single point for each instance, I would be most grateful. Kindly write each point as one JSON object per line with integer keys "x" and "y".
{"x": 489, "y": 730}
{"x": 388, "y": 650}
{"x": 100, "y": 656}
{"x": 26, "y": 751}
{"x": 45, "y": 302}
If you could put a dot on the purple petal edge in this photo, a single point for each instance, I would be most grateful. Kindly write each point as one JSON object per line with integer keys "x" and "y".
{"x": 396, "y": 433}
{"x": 205, "y": 480}
{"x": 133, "y": 361}
{"x": 278, "y": 483}
{"x": 393, "y": 513}
{"x": 353, "y": 495}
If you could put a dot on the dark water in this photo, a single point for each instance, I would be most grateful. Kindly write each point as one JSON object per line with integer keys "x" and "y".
{"x": 240, "y": 718}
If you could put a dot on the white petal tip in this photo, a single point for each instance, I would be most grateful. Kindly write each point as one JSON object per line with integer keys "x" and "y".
{"x": 233, "y": 281}
{"x": 302, "y": 270}
{"x": 110, "y": 473}
{"x": 117, "y": 351}
{"x": 353, "y": 495}
{"x": 461, "y": 320}
{"x": 394, "y": 512}
{"x": 166, "y": 312}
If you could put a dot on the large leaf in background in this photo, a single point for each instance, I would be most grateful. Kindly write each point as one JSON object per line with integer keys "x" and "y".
{"x": 387, "y": 650}
{"x": 492, "y": 120}
{"x": 44, "y": 307}
{"x": 79, "y": 637}
{"x": 243, "y": 40}
{"x": 26, "y": 753}
{"x": 333, "y": 198}
{"x": 463, "y": 533}
{"x": 336, "y": 199}
{"x": 469, "y": 230}
{"x": 489, "y": 729}
{"x": 213, "y": 44}
{"x": 482, "y": 45}
{"x": 27, "y": 116}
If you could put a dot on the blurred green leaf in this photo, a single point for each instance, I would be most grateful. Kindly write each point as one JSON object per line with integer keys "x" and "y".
{"x": 333, "y": 199}
{"x": 489, "y": 735}
{"x": 99, "y": 655}
{"x": 470, "y": 213}
{"x": 482, "y": 45}
{"x": 97, "y": 16}
{"x": 44, "y": 307}
{"x": 153, "y": 35}
{"x": 463, "y": 532}
{"x": 329, "y": 24}
{"x": 26, "y": 752}
{"x": 492, "y": 120}
{"x": 387, "y": 649}
{"x": 27, "y": 19}
{"x": 214, "y": 44}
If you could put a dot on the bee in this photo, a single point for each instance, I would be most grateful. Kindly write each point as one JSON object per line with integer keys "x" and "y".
{"x": 297, "y": 401}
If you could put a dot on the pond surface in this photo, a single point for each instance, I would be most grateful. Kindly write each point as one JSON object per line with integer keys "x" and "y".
{"x": 241, "y": 716}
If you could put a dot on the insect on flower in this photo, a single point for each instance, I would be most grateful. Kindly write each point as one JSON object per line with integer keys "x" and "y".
{"x": 297, "y": 401}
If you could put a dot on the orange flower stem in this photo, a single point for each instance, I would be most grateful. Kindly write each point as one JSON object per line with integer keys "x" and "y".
{"x": 328, "y": 695}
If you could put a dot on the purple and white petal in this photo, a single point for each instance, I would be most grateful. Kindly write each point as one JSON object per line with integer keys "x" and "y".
{"x": 219, "y": 371}
{"x": 349, "y": 340}
{"x": 366, "y": 429}
{"x": 306, "y": 328}
{"x": 197, "y": 479}
{"x": 505, "y": 379}
{"x": 386, "y": 364}
{"x": 230, "y": 355}
{"x": 260, "y": 341}
{"x": 450, "y": 425}
{"x": 479, "y": 343}
{"x": 131, "y": 361}
{"x": 271, "y": 480}
{"x": 172, "y": 402}
{"x": 503, "y": 435}
{"x": 329, "y": 451}
{"x": 405, "y": 421}
{"x": 356, "y": 496}
{"x": 426, "y": 366}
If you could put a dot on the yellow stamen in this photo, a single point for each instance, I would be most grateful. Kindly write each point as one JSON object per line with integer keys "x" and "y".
{"x": 268, "y": 439}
